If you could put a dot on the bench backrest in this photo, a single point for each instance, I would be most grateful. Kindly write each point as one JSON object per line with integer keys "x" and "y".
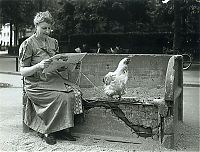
{"x": 144, "y": 70}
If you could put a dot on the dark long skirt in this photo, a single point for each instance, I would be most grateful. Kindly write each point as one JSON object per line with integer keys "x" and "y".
{"x": 49, "y": 111}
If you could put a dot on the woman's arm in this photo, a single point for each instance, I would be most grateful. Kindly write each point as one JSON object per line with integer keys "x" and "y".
{"x": 28, "y": 71}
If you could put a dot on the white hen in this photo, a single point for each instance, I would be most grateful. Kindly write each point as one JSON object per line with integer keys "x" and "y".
{"x": 115, "y": 82}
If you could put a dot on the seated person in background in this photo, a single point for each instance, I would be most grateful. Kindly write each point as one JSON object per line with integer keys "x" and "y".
{"x": 100, "y": 49}
{"x": 78, "y": 50}
{"x": 116, "y": 50}
{"x": 85, "y": 48}
{"x": 52, "y": 99}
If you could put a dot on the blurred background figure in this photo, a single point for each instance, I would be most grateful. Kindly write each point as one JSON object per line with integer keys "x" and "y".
{"x": 85, "y": 48}
{"x": 100, "y": 49}
{"x": 78, "y": 50}
{"x": 116, "y": 50}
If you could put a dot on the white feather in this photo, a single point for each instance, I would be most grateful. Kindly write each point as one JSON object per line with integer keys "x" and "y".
{"x": 115, "y": 82}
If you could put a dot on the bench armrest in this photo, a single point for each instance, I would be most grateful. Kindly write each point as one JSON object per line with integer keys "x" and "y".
{"x": 174, "y": 85}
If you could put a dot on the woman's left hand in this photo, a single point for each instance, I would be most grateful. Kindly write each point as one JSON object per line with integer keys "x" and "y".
{"x": 44, "y": 63}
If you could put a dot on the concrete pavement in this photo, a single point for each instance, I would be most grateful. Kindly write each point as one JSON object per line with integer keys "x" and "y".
{"x": 191, "y": 77}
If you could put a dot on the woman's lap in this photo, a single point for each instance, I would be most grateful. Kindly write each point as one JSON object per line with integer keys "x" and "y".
{"x": 49, "y": 111}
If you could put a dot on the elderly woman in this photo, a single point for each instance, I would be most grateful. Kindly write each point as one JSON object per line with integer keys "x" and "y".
{"x": 52, "y": 100}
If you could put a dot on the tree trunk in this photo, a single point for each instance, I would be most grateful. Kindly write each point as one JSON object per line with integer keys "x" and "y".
{"x": 11, "y": 29}
{"x": 177, "y": 27}
{"x": 15, "y": 35}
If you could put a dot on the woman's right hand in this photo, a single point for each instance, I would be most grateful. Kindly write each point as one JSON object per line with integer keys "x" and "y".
{"x": 28, "y": 71}
{"x": 44, "y": 63}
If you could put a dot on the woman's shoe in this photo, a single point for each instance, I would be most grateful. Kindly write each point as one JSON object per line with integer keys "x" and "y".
{"x": 65, "y": 136}
{"x": 68, "y": 136}
{"x": 49, "y": 138}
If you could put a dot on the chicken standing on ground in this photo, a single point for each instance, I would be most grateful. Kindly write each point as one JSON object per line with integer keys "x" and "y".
{"x": 115, "y": 82}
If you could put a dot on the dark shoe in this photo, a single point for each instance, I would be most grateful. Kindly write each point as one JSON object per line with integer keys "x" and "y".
{"x": 65, "y": 136}
{"x": 68, "y": 136}
{"x": 50, "y": 139}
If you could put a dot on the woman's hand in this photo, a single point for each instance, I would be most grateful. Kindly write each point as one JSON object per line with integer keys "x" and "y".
{"x": 44, "y": 63}
{"x": 28, "y": 71}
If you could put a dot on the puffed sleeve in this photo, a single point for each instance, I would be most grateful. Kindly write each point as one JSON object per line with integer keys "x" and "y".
{"x": 25, "y": 54}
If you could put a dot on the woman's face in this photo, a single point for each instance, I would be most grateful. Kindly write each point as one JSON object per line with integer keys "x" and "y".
{"x": 43, "y": 29}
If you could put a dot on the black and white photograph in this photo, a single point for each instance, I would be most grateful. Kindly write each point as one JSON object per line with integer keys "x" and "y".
{"x": 100, "y": 75}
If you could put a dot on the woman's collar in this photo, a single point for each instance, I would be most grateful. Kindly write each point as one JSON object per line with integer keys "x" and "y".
{"x": 39, "y": 38}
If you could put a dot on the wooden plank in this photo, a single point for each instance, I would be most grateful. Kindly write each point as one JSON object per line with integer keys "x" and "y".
{"x": 124, "y": 100}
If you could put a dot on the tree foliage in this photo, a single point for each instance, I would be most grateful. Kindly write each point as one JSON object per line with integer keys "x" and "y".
{"x": 99, "y": 16}
{"x": 94, "y": 16}
{"x": 19, "y": 12}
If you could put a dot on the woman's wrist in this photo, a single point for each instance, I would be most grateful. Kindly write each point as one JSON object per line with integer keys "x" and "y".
{"x": 38, "y": 67}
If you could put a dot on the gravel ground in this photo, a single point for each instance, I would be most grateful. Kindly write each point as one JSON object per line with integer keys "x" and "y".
{"x": 12, "y": 139}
